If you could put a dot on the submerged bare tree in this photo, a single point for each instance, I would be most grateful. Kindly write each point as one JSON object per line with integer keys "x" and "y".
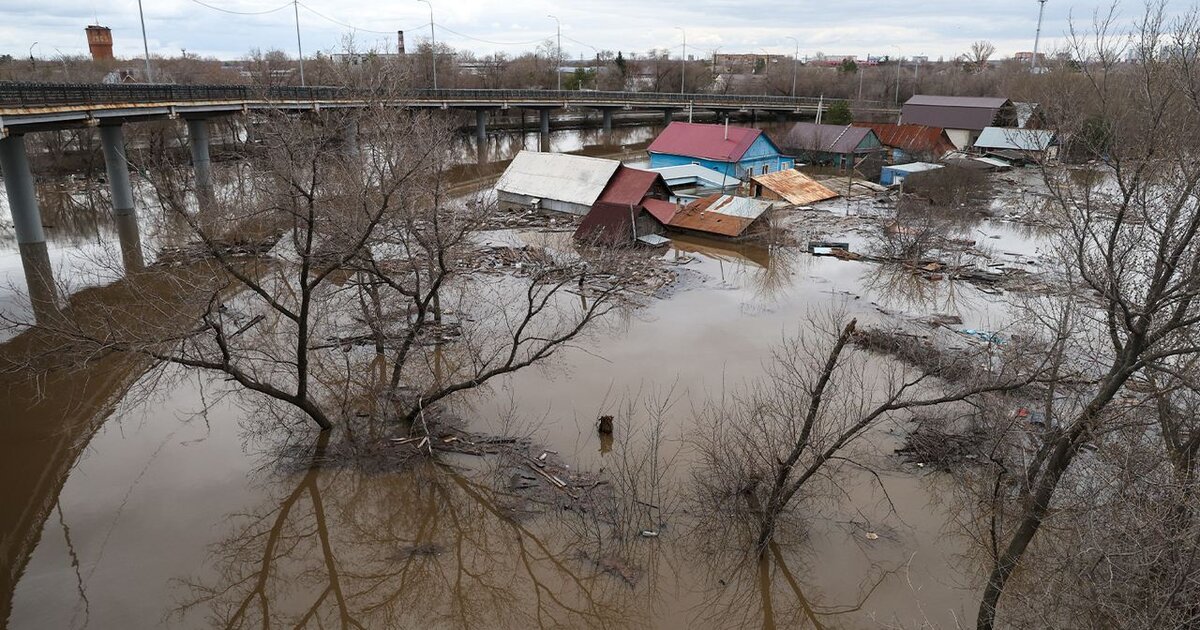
{"x": 1130, "y": 254}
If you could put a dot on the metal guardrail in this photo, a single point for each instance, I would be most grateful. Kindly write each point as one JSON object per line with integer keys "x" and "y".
{"x": 34, "y": 95}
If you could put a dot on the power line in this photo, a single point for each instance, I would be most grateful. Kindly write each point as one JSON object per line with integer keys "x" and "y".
{"x": 216, "y": 8}
{"x": 351, "y": 26}
{"x": 488, "y": 41}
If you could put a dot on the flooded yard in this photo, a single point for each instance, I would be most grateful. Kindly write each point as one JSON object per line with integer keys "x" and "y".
{"x": 138, "y": 496}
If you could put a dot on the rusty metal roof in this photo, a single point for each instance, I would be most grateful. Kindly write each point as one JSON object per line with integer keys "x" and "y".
{"x": 630, "y": 186}
{"x": 662, "y": 210}
{"x": 796, "y": 187}
{"x": 715, "y": 142}
{"x": 725, "y": 215}
{"x": 912, "y": 138}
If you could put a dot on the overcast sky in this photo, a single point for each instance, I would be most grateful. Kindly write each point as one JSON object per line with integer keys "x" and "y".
{"x": 877, "y": 27}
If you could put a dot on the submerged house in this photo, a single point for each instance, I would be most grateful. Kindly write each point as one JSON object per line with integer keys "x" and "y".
{"x": 962, "y": 117}
{"x": 911, "y": 143}
{"x": 736, "y": 152}
{"x": 791, "y": 186}
{"x": 558, "y": 182}
{"x": 719, "y": 215}
{"x": 1018, "y": 145}
{"x": 634, "y": 206}
{"x": 896, "y": 174}
{"x": 841, "y": 146}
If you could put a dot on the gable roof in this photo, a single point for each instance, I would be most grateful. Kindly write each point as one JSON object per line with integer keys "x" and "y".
{"x": 662, "y": 210}
{"x": 629, "y": 186}
{"x": 559, "y": 176}
{"x": 609, "y": 223}
{"x": 1015, "y": 139}
{"x": 714, "y": 142}
{"x": 825, "y": 138}
{"x": 953, "y": 112}
{"x": 796, "y": 187}
{"x": 912, "y": 138}
{"x": 725, "y": 215}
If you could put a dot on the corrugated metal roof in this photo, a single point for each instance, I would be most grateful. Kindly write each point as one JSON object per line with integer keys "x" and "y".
{"x": 714, "y": 142}
{"x": 796, "y": 187}
{"x": 914, "y": 167}
{"x": 629, "y": 186}
{"x": 662, "y": 210}
{"x": 953, "y": 112}
{"x": 826, "y": 138}
{"x": 688, "y": 173}
{"x": 912, "y": 138}
{"x": 559, "y": 176}
{"x": 1015, "y": 139}
{"x": 725, "y": 215}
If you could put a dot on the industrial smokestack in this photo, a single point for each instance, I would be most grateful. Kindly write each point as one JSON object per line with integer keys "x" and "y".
{"x": 400, "y": 42}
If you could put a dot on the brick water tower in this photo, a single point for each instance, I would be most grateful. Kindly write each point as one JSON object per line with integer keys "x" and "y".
{"x": 100, "y": 42}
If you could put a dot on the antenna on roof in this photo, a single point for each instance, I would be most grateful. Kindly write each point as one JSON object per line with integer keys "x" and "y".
{"x": 1037, "y": 39}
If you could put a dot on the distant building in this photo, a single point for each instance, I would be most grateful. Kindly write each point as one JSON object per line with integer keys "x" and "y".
{"x": 834, "y": 60}
{"x": 746, "y": 63}
{"x": 910, "y": 143}
{"x": 962, "y": 117}
{"x": 737, "y": 152}
{"x": 1018, "y": 145}
{"x": 1026, "y": 57}
{"x": 840, "y": 146}
{"x": 100, "y": 42}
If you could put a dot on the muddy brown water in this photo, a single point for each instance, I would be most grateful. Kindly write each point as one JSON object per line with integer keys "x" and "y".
{"x": 168, "y": 508}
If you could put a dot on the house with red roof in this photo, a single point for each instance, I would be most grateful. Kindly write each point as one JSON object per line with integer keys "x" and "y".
{"x": 737, "y": 152}
{"x": 634, "y": 205}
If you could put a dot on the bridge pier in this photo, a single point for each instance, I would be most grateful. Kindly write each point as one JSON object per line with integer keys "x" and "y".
{"x": 607, "y": 113}
{"x": 27, "y": 221}
{"x": 350, "y": 137}
{"x": 112, "y": 142}
{"x": 667, "y": 116}
{"x": 201, "y": 163}
{"x": 481, "y": 117}
{"x": 544, "y": 120}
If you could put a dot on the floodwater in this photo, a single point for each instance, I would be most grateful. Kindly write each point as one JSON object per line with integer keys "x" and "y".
{"x": 139, "y": 499}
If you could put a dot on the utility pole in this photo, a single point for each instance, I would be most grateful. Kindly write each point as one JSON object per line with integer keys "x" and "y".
{"x": 432, "y": 42}
{"x": 299, "y": 49}
{"x": 862, "y": 71}
{"x": 899, "y": 65}
{"x": 795, "y": 64}
{"x": 145, "y": 44}
{"x": 1037, "y": 39}
{"x": 558, "y": 60}
{"x": 683, "y": 61}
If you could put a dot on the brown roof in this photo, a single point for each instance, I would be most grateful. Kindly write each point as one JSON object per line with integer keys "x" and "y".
{"x": 954, "y": 112}
{"x": 662, "y": 210}
{"x": 912, "y": 138}
{"x": 607, "y": 222}
{"x": 825, "y": 138}
{"x": 719, "y": 214}
{"x": 794, "y": 186}
{"x": 629, "y": 186}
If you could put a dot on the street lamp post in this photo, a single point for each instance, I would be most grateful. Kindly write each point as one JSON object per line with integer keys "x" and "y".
{"x": 558, "y": 59}
{"x": 299, "y": 48}
{"x": 682, "y": 60}
{"x": 432, "y": 42}
{"x": 31, "y": 61}
{"x": 795, "y": 63}
{"x": 145, "y": 43}
{"x": 899, "y": 64}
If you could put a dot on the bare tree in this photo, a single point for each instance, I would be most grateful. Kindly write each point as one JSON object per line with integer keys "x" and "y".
{"x": 979, "y": 54}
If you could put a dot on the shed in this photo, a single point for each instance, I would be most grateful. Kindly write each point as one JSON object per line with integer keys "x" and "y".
{"x": 842, "y": 146}
{"x": 720, "y": 215}
{"x": 1034, "y": 144}
{"x": 733, "y": 151}
{"x": 909, "y": 143}
{"x": 559, "y": 182}
{"x": 891, "y": 175}
{"x": 962, "y": 117}
{"x": 792, "y": 186}
{"x": 613, "y": 224}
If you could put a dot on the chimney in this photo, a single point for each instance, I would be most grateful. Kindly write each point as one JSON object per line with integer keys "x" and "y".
{"x": 400, "y": 42}
{"x": 100, "y": 42}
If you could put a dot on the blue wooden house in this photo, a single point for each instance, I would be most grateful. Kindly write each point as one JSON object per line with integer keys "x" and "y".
{"x": 736, "y": 152}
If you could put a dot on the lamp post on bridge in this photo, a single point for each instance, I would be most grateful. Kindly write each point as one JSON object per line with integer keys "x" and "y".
{"x": 299, "y": 48}
{"x": 795, "y": 63}
{"x": 558, "y": 55}
{"x": 146, "y": 44}
{"x": 682, "y": 60}
{"x": 432, "y": 42}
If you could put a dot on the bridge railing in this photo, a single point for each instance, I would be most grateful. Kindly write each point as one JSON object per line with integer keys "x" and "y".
{"x": 19, "y": 94}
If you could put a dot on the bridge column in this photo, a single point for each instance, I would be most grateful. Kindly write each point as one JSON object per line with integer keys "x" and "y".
{"x": 112, "y": 142}
{"x": 667, "y": 115}
{"x": 201, "y": 164}
{"x": 608, "y": 118}
{"x": 350, "y": 137}
{"x": 27, "y": 221}
{"x": 481, "y": 117}
{"x": 544, "y": 119}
